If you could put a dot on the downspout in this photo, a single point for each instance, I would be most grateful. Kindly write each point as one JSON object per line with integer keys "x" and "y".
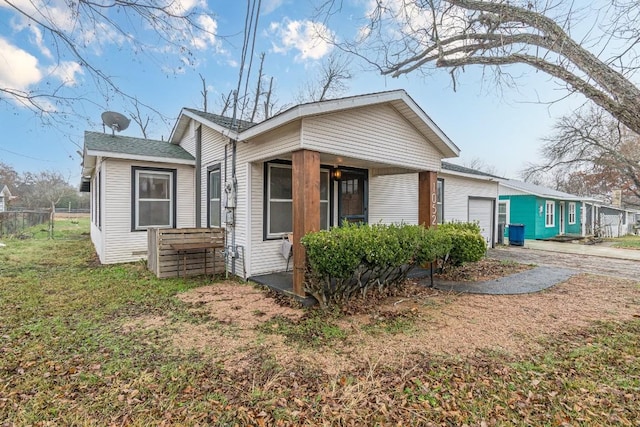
{"x": 199, "y": 177}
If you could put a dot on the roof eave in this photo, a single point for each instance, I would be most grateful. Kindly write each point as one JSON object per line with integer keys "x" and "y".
{"x": 126, "y": 156}
{"x": 469, "y": 175}
{"x": 183, "y": 120}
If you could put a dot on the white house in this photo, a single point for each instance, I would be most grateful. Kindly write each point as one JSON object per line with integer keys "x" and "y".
{"x": 373, "y": 158}
{"x": 5, "y": 196}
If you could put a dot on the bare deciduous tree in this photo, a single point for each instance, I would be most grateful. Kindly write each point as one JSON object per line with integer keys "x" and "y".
{"x": 419, "y": 36}
{"x": 330, "y": 82}
{"x": 70, "y": 32}
{"x": 591, "y": 154}
{"x": 137, "y": 117}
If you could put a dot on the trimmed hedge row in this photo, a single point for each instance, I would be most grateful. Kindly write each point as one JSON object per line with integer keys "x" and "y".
{"x": 350, "y": 260}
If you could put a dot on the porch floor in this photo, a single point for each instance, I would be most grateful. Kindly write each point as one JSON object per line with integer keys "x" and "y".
{"x": 282, "y": 282}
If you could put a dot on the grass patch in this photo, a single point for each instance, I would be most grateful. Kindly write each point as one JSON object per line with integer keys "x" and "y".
{"x": 67, "y": 358}
{"x": 391, "y": 323}
{"x": 627, "y": 242}
{"x": 315, "y": 329}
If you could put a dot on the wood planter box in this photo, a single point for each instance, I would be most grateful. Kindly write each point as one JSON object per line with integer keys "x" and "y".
{"x": 184, "y": 252}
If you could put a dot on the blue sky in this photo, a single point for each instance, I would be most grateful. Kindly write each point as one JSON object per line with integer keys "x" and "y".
{"x": 500, "y": 129}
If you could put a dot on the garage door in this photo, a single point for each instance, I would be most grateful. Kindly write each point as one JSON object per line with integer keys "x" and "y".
{"x": 481, "y": 211}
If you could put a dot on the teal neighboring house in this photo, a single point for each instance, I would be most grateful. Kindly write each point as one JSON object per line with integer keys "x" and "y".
{"x": 545, "y": 212}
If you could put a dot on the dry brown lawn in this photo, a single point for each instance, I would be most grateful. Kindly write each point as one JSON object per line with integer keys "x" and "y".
{"x": 418, "y": 320}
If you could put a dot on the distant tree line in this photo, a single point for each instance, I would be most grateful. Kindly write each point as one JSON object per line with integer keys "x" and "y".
{"x": 41, "y": 190}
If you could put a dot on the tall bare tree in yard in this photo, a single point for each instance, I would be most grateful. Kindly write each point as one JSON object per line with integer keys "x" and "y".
{"x": 420, "y": 36}
{"x": 593, "y": 154}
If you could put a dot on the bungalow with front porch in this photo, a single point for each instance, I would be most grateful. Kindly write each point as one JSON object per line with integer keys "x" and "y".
{"x": 371, "y": 158}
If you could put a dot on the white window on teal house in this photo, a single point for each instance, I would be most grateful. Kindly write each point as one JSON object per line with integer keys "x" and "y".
{"x": 503, "y": 213}
{"x": 572, "y": 213}
{"x": 550, "y": 214}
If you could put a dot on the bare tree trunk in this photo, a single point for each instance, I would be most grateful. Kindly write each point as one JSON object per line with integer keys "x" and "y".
{"x": 226, "y": 102}
{"x": 267, "y": 100}
{"x": 204, "y": 92}
{"x": 258, "y": 92}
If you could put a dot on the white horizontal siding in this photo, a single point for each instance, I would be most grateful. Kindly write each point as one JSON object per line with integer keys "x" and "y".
{"x": 213, "y": 144}
{"x": 188, "y": 140}
{"x": 120, "y": 243}
{"x": 97, "y": 236}
{"x": 457, "y": 191}
{"x": 393, "y": 199}
{"x": 281, "y": 141}
{"x": 265, "y": 254}
{"x": 376, "y": 133}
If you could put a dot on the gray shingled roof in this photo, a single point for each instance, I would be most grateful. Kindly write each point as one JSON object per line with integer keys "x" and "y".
{"x": 96, "y": 141}
{"x": 222, "y": 120}
{"x": 539, "y": 190}
{"x": 461, "y": 169}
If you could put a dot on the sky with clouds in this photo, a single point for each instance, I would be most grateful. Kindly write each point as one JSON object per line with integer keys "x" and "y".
{"x": 501, "y": 128}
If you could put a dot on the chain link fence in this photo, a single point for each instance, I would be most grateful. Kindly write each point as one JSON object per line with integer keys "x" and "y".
{"x": 14, "y": 222}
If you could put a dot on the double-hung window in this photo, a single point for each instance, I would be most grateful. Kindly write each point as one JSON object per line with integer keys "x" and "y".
{"x": 279, "y": 200}
{"x": 503, "y": 212}
{"x": 153, "y": 198}
{"x": 214, "y": 191}
{"x": 550, "y": 213}
{"x": 572, "y": 212}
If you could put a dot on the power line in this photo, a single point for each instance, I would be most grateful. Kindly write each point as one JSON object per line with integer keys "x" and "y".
{"x": 25, "y": 156}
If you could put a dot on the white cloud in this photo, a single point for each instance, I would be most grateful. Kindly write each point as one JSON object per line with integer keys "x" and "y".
{"x": 206, "y": 37}
{"x": 18, "y": 68}
{"x": 269, "y": 6}
{"x": 312, "y": 40}
{"x": 66, "y": 72}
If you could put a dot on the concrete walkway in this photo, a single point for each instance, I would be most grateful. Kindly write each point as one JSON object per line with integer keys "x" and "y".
{"x": 556, "y": 262}
{"x": 576, "y": 248}
{"x": 525, "y": 282}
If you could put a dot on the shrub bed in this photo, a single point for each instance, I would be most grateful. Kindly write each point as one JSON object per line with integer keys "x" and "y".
{"x": 351, "y": 260}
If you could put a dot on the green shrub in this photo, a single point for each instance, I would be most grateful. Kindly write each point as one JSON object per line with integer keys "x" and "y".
{"x": 350, "y": 260}
{"x": 468, "y": 245}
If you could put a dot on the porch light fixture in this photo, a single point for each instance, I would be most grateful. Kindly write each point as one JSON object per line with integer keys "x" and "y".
{"x": 337, "y": 174}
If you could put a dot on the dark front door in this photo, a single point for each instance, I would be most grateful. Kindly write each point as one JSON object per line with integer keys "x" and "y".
{"x": 352, "y": 196}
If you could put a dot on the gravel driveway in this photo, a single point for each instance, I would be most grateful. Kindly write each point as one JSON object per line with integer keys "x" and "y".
{"x": 583, "y": 263}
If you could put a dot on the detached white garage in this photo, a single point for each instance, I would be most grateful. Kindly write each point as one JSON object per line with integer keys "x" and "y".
{"x": 469, "y": 195}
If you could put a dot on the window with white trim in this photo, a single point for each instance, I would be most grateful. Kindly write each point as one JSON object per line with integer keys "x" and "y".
{"x": 572, "y": 212}
{"x": 214, "y": 191}
{"x": 550, "y": 214}
{"x": 279, "y": 200}
{"x": 503, "y": 212}
{"x": 153, "y": 198}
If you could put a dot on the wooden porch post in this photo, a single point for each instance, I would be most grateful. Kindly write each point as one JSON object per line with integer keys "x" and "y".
{"x": 427, "y": 199}
{"x": 306, "y": 208}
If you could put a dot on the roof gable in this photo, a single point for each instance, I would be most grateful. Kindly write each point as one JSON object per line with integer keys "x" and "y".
{"x": 398, "y": 99}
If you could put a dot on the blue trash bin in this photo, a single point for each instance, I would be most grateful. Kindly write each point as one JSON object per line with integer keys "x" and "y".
{"x": 516, "y": 234}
